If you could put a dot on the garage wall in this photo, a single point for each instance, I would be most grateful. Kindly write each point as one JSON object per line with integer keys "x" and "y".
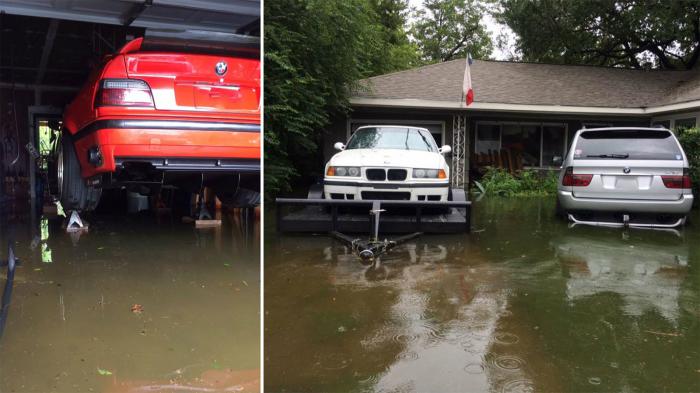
{"x": 22, "y": 100}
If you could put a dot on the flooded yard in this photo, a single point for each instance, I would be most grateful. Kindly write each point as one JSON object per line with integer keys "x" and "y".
{"x": 523, "y": 304}
{"x": 138, "y": 304}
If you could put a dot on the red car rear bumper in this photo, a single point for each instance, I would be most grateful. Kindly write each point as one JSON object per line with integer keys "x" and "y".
{"x": 195, "y": 146}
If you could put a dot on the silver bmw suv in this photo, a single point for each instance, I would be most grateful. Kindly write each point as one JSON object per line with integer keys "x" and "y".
{"x": 625, "y": 176}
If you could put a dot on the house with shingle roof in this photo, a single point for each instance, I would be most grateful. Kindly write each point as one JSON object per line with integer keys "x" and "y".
{"x": 528, "y": 109}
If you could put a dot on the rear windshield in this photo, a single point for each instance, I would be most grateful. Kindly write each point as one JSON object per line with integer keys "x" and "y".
{"x": 627, "y": 144}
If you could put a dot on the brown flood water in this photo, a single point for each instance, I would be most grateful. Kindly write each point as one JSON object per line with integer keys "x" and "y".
{"x": 138, "y": 304}
{"x": 523, "y": 304}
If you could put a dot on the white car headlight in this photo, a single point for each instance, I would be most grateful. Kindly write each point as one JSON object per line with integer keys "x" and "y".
{"x": 420, "y": 173}
{"x": 352, "y": 171}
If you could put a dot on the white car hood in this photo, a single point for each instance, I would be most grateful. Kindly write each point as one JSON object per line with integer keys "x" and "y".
{"x": 388, "y": 158}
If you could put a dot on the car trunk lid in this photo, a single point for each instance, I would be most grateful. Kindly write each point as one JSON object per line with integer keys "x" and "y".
{"x": 628, "y": 164}
{"x": 197, "y": 75}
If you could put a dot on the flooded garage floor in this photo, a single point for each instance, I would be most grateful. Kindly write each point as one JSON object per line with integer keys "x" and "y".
{"x": 523, "y": 304}
{"x": 138, "y": 304}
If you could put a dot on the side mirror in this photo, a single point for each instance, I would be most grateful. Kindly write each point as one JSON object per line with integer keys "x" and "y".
{"x": 557, "y": 160}
{"x": 445, "y": 149}
{"x": 339, "y": 146}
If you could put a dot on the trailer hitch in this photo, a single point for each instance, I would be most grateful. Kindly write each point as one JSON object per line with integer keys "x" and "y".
{"x": 369, "y": 250}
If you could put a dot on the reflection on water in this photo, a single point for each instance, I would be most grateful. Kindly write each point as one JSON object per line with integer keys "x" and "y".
{"x": 648, "y": 277}
{"x": 139, "y": 303}
{"x": 525, "y": 304}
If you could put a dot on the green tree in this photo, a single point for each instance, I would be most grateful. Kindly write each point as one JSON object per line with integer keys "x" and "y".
{"x": 448, "y": 29}
{"x": 629, "y": 33}
{"x": 400, "y": 52}
{"x": 315, "y": 51}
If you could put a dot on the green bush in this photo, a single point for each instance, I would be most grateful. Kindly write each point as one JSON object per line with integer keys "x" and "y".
{"x": 525, "y": 183}
{"x": 690, "y": 140}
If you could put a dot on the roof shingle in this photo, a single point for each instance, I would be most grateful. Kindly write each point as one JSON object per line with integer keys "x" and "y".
{"x": 537, "y": 84}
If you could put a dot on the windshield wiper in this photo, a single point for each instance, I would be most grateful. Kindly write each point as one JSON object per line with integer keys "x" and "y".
{"x": 430, "y": 148}
{"x": 620, "y": 156}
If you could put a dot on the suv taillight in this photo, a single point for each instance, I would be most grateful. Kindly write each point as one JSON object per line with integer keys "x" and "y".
{"x": 575, "y": 180}
{"x": 678, "y": 181}
{"x": 124, "y": 92}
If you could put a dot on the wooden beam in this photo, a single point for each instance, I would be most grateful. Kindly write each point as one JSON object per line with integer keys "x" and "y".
{"x": 46, "y": 52}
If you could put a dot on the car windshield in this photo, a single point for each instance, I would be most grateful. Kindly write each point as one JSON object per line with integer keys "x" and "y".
{"x": 399, "y": 138}
{"x": 627, "y": 145}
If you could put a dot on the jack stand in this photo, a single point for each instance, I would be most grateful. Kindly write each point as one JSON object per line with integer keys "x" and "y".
{"x": 204, "y": 219}
{"x": 75, "y": 223}
{"x": 369, "y": 250}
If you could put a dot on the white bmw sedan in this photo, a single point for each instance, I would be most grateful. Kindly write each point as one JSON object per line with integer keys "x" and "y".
{"x": 390, "y": 163}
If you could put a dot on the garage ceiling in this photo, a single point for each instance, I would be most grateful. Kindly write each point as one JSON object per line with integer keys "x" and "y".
{"x": 54, "y": 44}
{"x": 210, "y": 15}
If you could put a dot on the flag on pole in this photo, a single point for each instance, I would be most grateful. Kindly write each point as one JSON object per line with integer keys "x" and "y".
{"x": 467, "y": 87}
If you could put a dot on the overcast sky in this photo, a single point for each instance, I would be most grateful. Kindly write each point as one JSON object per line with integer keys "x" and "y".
{"x": 494, "y": 28}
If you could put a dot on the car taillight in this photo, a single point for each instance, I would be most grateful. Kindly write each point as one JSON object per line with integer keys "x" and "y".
{"x": 575, "y": 180}
{"x": 124, "y": 92}
{"x": 678, "y": 181}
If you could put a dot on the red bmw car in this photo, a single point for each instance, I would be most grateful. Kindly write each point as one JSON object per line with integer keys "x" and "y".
{"x": 181, "y": 111}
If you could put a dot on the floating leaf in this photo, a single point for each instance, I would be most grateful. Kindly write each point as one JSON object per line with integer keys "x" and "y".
{"x": 103, "y": 372}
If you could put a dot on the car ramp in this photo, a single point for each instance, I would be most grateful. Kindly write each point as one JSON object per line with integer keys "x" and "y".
{"x": 317, "y": 215}
{"x": 376, "y": 218}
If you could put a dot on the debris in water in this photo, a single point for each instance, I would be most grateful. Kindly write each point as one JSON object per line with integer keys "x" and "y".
{"x": 103, "y": 372}
{"x": 245, "y": 283}
{"x": 673, "y": 334}
{"x": 227, "y": 264}
{"x": 137, "y": 308}
{"x": 341, "y": 329}
{"x": 59, "y": 209}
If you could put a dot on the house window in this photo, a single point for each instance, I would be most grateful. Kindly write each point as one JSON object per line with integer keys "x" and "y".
{"x": 683, "y": 124}
{"x": 488, "y": 137}
{"x": 537, "y": 144}
{"x": 436, "y": 128}
{"x": 662, "y": 123}
{"x": 524, "y": 140}
{"x": 553, "y": 141}
{"x": 596, "y": 125}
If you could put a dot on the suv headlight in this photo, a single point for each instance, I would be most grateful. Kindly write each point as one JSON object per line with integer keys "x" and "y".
{"x": 420, "y": 173}
{"x": 352, "y": 171}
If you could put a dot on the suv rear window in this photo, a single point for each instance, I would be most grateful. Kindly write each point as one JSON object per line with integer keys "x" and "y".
{"x": 627, "y": 144}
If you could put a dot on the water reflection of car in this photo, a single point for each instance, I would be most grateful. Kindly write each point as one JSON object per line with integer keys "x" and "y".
{"x": 647, "y": 275}
{"x": 634, "y": 175}
{"x": 388, "y": 162}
